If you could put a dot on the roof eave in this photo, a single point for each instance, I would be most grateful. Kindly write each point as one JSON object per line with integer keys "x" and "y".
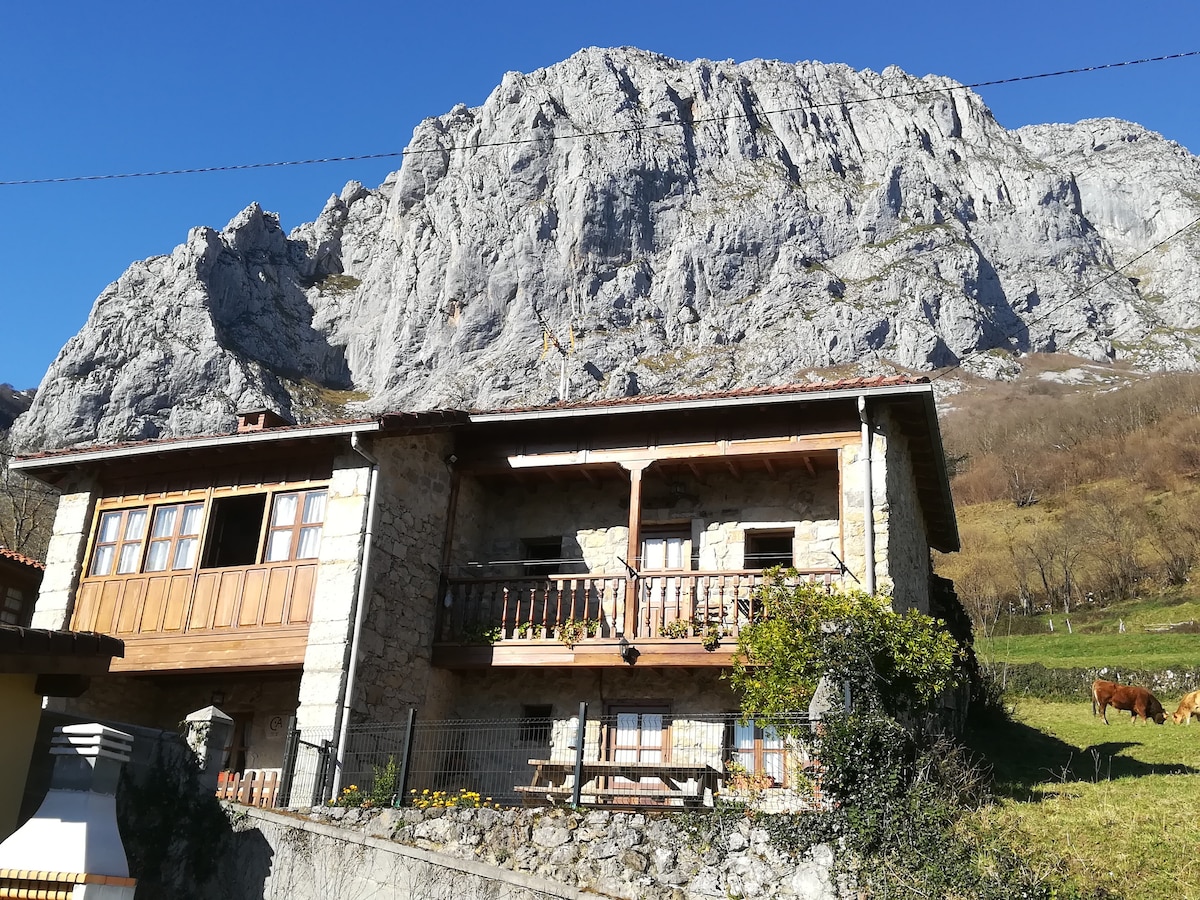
{"x": 33, "y": 464}
{"x": 659, "y": 405}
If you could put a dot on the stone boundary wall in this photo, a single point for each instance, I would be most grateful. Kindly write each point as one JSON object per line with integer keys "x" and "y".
{"x": 511, "y": 853}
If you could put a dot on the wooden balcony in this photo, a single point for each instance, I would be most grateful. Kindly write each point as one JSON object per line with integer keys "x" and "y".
{"x": 672, "y": 618}
{"x": 239, "y": 617}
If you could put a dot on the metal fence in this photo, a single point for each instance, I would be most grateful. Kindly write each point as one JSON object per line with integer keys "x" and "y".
{"x": 642, "y": 756}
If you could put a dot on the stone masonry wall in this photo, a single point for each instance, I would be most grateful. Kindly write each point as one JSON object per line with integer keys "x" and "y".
{"x": 592, "y": 519}
{"x": 516, "y": 853}
{"x": 853, "y": 533}
{"x": 503, "y": 693}
{"x": 163, "y": 703}
{"x": 406, "y": 561}
{"x": 64, "y": 557}
{"x": 908, "y": 542}
{"x": 329, "y": 633}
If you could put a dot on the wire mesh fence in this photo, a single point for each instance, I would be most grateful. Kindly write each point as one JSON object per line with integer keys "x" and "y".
{"x": 638, "y": 756}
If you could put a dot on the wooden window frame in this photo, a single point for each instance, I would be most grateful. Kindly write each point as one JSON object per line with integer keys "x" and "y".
{"x": 172, "y": 540}
{"x": 541, "y": 556}
{"x": 119, "y": 543}
{"x": 205, "y": 501}
{"x": 758, "y": 753}
{"x": 12, "y": 605}
{"x": 297, "y": 526}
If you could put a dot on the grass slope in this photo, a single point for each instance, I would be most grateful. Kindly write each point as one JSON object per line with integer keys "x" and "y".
{"x": 1060, "y": 650}
{"x": 1111, "y": 805}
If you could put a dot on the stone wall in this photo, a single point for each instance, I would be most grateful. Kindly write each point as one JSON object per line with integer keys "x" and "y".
{"x": 514, "y": 853}
{"x": 907, "y": 545}
{"x": 406, "y": 562}
{"x": 592, "y": 519}
{"x": 64, "y": 557}
{"x": 327, "y": 652}
{"x": 503, "y": 693}
{"x": 266, "y": 700}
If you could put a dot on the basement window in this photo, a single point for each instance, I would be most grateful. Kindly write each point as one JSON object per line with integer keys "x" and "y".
{"x": 765, "y": 549}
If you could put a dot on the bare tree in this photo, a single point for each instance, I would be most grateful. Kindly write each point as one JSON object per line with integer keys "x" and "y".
{"x": 1174, "y": 535}
{"x": 1111, "y": 521}
{"x": 27, "y": 509}
{"x": 1054, "y": 551}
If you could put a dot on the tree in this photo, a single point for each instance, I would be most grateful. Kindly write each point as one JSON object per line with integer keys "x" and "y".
{"x": 27, "y": 510}
{"x": 899, "y": 662}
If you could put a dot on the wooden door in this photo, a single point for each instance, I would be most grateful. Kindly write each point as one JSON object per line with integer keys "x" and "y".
{"x": 663, "y": 595}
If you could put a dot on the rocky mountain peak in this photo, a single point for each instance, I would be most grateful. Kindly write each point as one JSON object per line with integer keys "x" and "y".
{"x": 677, "y": 226}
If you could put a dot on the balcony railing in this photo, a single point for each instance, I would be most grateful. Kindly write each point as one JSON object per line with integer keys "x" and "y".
{"x": 578, "y": 608}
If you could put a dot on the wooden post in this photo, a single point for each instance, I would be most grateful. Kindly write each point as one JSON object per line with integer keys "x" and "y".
{"x": 634, "y": 546}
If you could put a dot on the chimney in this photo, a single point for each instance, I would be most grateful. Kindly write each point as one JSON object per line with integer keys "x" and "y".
{"x": 260, "y": 420}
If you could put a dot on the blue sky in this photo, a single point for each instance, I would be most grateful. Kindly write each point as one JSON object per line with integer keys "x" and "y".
{"x": 133, "y": 86}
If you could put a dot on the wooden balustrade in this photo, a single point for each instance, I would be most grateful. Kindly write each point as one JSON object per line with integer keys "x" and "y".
{"x": 577, "y": 608}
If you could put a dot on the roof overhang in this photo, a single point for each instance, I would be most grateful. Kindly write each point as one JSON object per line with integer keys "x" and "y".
{"x": 46, "y": 465}
{"x": 708, "y": 402}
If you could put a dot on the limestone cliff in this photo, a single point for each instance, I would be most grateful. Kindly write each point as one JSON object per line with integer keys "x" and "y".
{"x": 676, "y": 226}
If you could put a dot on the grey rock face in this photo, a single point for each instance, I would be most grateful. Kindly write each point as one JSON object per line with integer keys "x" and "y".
{"x": 12, "y": 404}
{"x": 673, "y": 226}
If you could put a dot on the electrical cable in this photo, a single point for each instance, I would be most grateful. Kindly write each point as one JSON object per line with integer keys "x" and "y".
{"x": 1070, "y": 299}
{"x": 673, "y": 123}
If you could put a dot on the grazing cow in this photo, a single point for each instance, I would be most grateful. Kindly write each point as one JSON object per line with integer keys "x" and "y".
{"x": 1139, "y": 701}
{"x": 1189, "y": 706}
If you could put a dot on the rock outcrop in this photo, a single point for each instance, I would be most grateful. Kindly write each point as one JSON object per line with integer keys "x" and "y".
{"x": 673, "y": 226}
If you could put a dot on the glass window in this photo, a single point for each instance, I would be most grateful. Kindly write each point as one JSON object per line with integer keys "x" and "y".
{"x": 119, "y": 542}
{"x": 759, "y": 750}
{"x": 174, "y": 537}
{"x": 765, "y": 549}
{"x": 296, "y": 523}
{"x": 11, "y": 613}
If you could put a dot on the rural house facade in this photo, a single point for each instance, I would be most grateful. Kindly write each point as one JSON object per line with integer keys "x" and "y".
{"x": 482, "y": 564}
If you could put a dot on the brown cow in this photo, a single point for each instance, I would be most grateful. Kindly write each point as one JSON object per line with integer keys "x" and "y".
{"x": 1189, "y": 706}
{"x": 1139, "y": 701}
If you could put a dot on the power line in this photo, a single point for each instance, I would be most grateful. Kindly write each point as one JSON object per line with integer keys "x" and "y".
{"x": 651, "y": 126}
{"x": 1072, "y": 298}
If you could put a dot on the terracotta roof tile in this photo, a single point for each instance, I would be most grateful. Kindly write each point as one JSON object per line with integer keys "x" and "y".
{"x": 21, "y": 558}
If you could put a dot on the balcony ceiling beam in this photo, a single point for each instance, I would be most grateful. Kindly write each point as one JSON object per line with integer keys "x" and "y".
{"x": 760, "y": 447}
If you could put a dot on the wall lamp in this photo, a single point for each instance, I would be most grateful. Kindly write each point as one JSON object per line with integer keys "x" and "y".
{"x": 629, "y": 653}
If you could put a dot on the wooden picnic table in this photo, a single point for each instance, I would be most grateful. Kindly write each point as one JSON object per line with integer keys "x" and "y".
{"x": 690, "y": 782}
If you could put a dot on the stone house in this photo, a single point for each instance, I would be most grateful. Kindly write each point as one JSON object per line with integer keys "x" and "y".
{"x": 481, "y": 564}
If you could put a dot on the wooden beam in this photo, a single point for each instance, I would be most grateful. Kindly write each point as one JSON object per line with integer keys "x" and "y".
{"x": 596, "y": 656}
{"x": 797, "y": 444}
{"x": 634, "y": 544}
{"x": 229, "y": 650}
